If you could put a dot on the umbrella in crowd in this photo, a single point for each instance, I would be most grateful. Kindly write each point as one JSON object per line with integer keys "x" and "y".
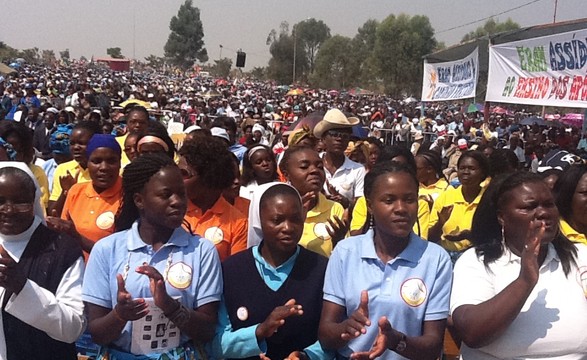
{"x": 310, "y": 120}
{"x": 295, "y": 92}
{"x": 533, "y": 120}
{"x": 473, "y": 108}
{"x": 571, "y": 119}
{"x": 211, "y": 94}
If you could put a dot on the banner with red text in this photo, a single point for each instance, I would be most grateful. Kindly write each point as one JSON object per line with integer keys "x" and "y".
{"x": 548, "y": 71}
{"x": 451, "y": 80}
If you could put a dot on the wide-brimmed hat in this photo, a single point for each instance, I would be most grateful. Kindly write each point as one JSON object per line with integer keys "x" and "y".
{"x": 334, "y": 119}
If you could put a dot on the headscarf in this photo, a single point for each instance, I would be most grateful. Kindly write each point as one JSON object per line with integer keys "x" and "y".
{"x": 38, "y": 208}
{"x": 255, "y": 235}
{"x": 103, "y": 140}
{"x": 59, "y": 143}
{"x": 10, "y": 152}
{"x": 298, "y": 135}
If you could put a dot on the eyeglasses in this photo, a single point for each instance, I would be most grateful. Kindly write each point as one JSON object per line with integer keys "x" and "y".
{"x": 18, "y": 208}
{"x": 338, "y": 134}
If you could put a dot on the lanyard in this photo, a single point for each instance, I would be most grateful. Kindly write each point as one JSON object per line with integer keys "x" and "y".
{"x": 165, "y": 272}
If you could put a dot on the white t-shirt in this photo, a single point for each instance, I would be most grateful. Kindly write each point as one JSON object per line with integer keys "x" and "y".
{"x": 347, "y": 180}
{"x": 552, "y": 323}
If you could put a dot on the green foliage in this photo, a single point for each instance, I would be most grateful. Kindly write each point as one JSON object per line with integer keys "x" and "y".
{"x": 48, "y": 57}
{"x": 221, "y": 68}
{"x": 31, "y": 56}
{"x": 336, "y": 67}
{"x": 185, "y": 44}
{"x": 400, "y": 44}
{"x": 363, "y": 45}
{"x": 281, "y": 47}
{"x": 64, "y": 55}
{"x": 115, "y": 52}
{"x": 155, "y": 61}
{"x": 491, "y": 27}
{"x": 311, "y": 34}
{"x": 7, "y": 53}
{"x": 258, "y": 73}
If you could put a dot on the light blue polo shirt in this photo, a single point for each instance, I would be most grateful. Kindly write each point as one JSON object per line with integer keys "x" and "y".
{"x": 111, "y": 255}
{"x": 410, "y": 289}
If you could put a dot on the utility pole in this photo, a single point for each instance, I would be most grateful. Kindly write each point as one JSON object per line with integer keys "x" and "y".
{"x": 220, "y": 58}
{"x": 555, "y": 6}
{"x": 294, "y": 58}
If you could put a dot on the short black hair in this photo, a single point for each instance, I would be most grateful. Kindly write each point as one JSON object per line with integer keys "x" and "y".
{"x": 225, "y": 122}
{"x": 387, "y": 167}
{"x": 477, "y": 156}
{"x": 210, "y": 158}
{"x": 564, "y": 189}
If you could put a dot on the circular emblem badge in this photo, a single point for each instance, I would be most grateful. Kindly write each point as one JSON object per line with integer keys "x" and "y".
{"x": 214, "y": 234}
{"x": 346, "y": 186}
{"x": 242, "y": 313}
{"x": 320, "y": 231}
{"x": 105, "y": 220}
{"x": 414, "y": 292}
{"x": 180, "y": 275}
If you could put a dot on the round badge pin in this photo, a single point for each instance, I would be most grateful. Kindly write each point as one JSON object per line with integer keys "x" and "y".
{"x": 242, "y": 313}
{"x": 105, "y": 220}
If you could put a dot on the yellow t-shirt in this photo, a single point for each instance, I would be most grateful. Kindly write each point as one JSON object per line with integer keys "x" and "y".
{"x": 43, "y": 183}
{"x": 571, "y": 233}
{"x": 74, "y": 169}
{"x": 460, "y": 219}
{"x": 434, "y": 190}
{"x": 315, "y": 237}
{"x": 360, "y": 216}
{"x": 123, "y": 158}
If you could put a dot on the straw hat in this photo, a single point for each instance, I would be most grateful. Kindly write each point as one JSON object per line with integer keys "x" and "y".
{"x": 334, "y": 119}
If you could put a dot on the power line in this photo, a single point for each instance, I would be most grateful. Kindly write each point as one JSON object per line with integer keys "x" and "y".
{"x": 488, "y": 17}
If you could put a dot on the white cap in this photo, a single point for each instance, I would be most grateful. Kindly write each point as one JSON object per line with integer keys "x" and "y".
{"x": 220, "y": 132}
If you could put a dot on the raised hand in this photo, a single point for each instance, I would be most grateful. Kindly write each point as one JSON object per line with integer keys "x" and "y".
{"x": 386, "y": 339}
{"x": 68, "y": 181}
{"x": 127, "y": 308}
{"x": 334, "y": 195}
{"x": 277, "y": 318}
{"x": 307, "y": 200}
{"x": 529, "y": 269}
{"x": 337, "y": 229}
{"x": 54, "y": 222}
{"x": 444, "y": 214}
{"x": 356, "y": 324}
{"x": 11, "y": 277}
{"x": 157, "y": 285}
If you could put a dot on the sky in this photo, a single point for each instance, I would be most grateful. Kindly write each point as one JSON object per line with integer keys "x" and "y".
{"x": 141, "y": 27}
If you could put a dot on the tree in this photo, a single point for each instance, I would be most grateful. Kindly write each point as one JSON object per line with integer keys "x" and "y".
{"x": 7, "y": 52}
{"x": 258, "y": 73}
{"x": 155, "y": 61}
{"x": 335, "y": 64}
{"x": 362, "y": 51}
{"x": 31, "y": 56}
{"x": 115, "y": 52}
{"x": 281, "y": 47}
{"x": 48, "y": 57}
{"x": 185, "y": 44}
{"x": 310, "y": 34}
{"x": 64, "y": 55}
{"x": 400, "y": 44}
{"x": 221, "y": 68}
{"x": 491, "y": 27}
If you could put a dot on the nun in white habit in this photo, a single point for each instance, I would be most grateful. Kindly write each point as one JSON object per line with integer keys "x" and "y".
{"x": 41, "y": 275}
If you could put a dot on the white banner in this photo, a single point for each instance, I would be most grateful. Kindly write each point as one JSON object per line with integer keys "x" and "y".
{"x": 451, "y": 80}
{"x": 548, "y": 71}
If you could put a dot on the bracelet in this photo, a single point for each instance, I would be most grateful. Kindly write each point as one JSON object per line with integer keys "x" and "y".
{"x": 180, "y": 317}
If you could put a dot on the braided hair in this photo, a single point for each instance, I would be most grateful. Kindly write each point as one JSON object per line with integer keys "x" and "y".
{"x": 135, "y": 176}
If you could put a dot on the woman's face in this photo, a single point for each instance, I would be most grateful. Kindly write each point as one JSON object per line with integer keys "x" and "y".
{"x": 78, "y": 143}
{"x": 423, "y": 169}
{"x": 232, "y": 192}
{"x": 130, "y": 147}
{"x": 320, "y": 147}
{"x": 579, "y": 203}
{"x": 263, "y": 165}
{"x": 524, "y": 204}
{"x": 104, "y": 167}
{"x": 305, "y": 171}
{"x": 469, "y": 172}
{"x": 394, "y": 204}
{"x": 150, "y": 148}
{"x": 163, "y": 200}
{"x": 16, "y": 206}
{"x": 374, "y": 152}
{"x": 282, "y": 222}
{"x": 137, "y": 122}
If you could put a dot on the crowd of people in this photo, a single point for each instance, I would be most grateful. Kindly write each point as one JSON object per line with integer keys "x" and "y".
{"x": 159, "y": 216}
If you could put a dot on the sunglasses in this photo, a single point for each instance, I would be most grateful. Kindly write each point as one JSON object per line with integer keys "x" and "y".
{"x": 338, "y": 134}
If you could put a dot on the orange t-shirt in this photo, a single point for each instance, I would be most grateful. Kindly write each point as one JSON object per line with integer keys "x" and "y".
{"x": 222, "y": 224}
{"x": 242, "y": 205}
{"x": 92, "y": 213}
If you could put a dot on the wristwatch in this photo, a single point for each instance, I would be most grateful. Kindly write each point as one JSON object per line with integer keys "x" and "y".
{"x": 401, "y": 345}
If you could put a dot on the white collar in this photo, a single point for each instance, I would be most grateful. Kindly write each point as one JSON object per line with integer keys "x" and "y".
{"x": 15, "y": 244}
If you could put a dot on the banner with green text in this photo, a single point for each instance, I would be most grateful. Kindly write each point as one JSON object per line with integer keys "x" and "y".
{"x": 451, "y": 80}
{"x": 548, "y": 71}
